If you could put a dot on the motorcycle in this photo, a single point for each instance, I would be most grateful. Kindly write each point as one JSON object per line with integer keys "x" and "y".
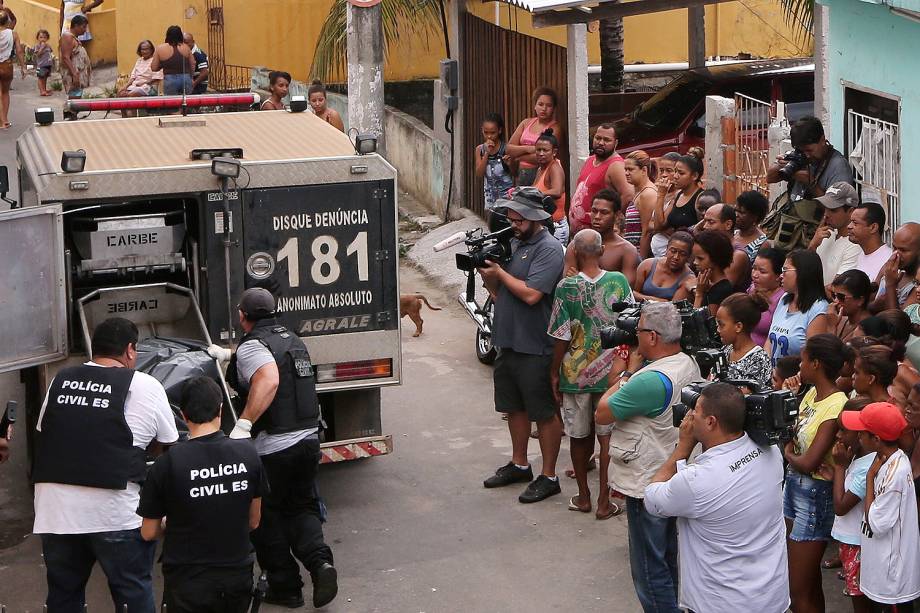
{"x": 481, "y": 314}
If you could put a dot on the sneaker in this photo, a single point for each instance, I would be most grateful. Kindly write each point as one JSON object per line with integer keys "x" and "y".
{"x": 508, "y": 474}
{"x": 539, "y": 489}
{"x": 325, "y": 585}
{"x": 291, "y": 600}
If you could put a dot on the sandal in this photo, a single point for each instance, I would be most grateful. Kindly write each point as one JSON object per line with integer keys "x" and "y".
{"x": 615, "y": 510}
{"x": 573, "y": 506}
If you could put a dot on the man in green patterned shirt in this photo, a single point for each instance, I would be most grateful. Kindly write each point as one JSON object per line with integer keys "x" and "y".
{"x": 582, "y": 306}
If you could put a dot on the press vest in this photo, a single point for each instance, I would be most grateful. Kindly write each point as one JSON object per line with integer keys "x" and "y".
{"x": 295, "y": 406}
{"x": 84, "y": 438}
{"x": 640, "y": 445}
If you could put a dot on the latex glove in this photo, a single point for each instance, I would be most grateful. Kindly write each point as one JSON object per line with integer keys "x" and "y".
{"x": 242, "y": 429}
{"x": 219, "y": 353}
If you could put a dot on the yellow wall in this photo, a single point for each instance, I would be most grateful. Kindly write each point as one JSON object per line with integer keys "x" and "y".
{"x": 757, "y": 27}
{"x": 140, "y": 20}
{"x": 33, "y": 15}
{"x": 278, "y": 34}
{"x": 281, "y": 34}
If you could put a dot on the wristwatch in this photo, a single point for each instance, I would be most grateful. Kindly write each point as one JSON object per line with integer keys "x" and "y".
{"x": 626, "y": 374}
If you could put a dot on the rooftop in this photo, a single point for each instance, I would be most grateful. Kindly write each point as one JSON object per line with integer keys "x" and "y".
{"x": 124, "y": 144}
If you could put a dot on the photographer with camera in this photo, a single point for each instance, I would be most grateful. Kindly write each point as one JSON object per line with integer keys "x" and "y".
{"x": 639, "y": 406}
{"x": 728, "y": 505}
{"x": 523, "y": 288}
{"x": 813, "y": 165}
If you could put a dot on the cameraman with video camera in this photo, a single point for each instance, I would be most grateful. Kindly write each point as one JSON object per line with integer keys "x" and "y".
{"x": 639, "y": 406}
{"x": 813, "y": 165}
{"x": 523, "y": 287}
{"x": 729, "y": 509}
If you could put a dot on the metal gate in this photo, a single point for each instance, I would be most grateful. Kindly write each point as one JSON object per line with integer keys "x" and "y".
{"x": 222, "y": 77}
{"x": 752, "y": 145}
{"x": 876, "y": 160}
{"x": 501, "y": 69}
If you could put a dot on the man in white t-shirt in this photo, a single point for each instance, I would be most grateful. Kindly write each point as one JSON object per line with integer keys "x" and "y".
{"x": 867, "y": 228}
{"x": 831, "y": 240}
{"x": 890, "y": 545}
{"x": 729, "y": 510}
{"x": 94, "y": 426}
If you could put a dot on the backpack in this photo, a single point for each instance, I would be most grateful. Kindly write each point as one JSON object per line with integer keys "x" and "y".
{"x": 792, "y": 224}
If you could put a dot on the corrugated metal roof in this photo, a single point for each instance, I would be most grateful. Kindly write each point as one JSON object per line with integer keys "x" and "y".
{"x": 542, "y": 6}
{"x": 120, "y": 144}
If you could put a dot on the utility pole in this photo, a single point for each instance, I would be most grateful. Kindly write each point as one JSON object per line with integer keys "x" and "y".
{"x": 696, "y": 36}
{"x": 364, "y": 30}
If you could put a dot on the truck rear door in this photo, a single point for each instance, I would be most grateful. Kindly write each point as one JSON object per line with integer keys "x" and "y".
{"x": 33, "y": 305}
{"x": 328, "y": 253}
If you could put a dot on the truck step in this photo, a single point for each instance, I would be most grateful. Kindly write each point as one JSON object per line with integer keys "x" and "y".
{"x": 356, "y": 448}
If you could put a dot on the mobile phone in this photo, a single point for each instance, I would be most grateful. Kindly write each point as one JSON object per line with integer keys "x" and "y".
{"x": 9, "y": 418}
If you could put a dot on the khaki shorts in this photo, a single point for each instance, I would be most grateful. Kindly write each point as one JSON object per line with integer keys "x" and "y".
{"x": 578, "y": 415}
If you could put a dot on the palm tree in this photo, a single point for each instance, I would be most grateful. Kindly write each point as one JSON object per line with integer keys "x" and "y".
{"x": 801, "y": 15}
{"x": 409, "y": 18}
{"x": 611, "y": 35}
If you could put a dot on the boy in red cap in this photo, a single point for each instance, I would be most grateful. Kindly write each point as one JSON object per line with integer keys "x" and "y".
{"x": 890, "y": 573}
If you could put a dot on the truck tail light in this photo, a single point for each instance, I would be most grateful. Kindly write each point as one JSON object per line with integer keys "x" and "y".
{"x": 351, "y": 371}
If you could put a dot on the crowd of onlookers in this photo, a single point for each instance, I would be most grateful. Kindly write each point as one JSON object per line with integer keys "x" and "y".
{"x": 827, "y": 310}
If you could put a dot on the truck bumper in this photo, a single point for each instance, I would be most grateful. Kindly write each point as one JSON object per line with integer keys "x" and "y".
{"x": 356, "y": 448}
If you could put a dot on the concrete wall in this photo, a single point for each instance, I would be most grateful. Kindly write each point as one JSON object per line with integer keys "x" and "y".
{"x": 875, "y": 49}
{"x": 35, "y": 15}
{"x": 717, "y": 107}
{"x": 421, "y": 159}
{"x": 756, "y": 27}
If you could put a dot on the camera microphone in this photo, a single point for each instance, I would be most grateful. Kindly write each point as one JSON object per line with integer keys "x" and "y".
{"x": 450, "y": 241}
{"x": 619, "y": 307}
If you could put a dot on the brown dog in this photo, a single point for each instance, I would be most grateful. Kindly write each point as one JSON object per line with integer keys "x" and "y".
{"x": 411, "y": 305}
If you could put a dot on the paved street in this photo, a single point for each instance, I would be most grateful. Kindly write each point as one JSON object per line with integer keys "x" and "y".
{"x": 415, "y": 531}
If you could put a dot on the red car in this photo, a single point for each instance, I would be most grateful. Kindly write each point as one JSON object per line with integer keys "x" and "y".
{"x": 674, "y": 119}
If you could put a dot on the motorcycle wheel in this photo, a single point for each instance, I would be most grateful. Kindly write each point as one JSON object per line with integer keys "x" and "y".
{"x": 485, "y": 352}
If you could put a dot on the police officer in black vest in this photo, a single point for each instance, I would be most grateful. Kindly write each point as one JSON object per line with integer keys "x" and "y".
{"x": 97, "y": 421}
{"x": 209, "y": 489}
{"x": 271, "y": 371}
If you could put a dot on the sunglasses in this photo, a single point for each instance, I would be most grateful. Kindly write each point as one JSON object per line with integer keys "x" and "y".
{"x": 840, "y": 297}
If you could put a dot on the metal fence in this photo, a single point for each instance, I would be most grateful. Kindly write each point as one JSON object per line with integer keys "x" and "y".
{"x": 876, "y": 158}
{"x": 752, "y": 146}
{"x": 501, "y": 70}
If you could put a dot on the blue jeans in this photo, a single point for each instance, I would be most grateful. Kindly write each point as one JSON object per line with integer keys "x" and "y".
{"x": 177, "y": 84}
{"x": 652, "y": 558}
{"x": 125, "y": 558}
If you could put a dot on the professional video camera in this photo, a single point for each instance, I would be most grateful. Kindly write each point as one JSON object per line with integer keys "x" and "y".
{"x": 698, "y": 328}
{"x": 795, "y": 161}
{"x": 482, "y": 248}
{"x": 769, "y": 417}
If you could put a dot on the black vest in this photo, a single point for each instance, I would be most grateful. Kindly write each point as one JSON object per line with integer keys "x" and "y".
{"x": 295, "y": 406}
{"x": 84, "y": 438}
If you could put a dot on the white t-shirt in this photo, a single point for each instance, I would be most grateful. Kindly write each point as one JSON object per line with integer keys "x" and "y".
{"x": 847, "y": 528}
{"x": 890, "y": 557}
{"x": 250, "y": 357}
{"x": 76, "y": 509}
{"x": 872, "y": 263}
{"x": 837, "y": 255}
{"x": 729, "y": 509}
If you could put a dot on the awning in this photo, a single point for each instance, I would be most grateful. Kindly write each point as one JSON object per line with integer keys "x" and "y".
{"x": 561, "y": 12}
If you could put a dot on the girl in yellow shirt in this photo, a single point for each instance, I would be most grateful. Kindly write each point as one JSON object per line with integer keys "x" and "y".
{"x": 808, "y": 500}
